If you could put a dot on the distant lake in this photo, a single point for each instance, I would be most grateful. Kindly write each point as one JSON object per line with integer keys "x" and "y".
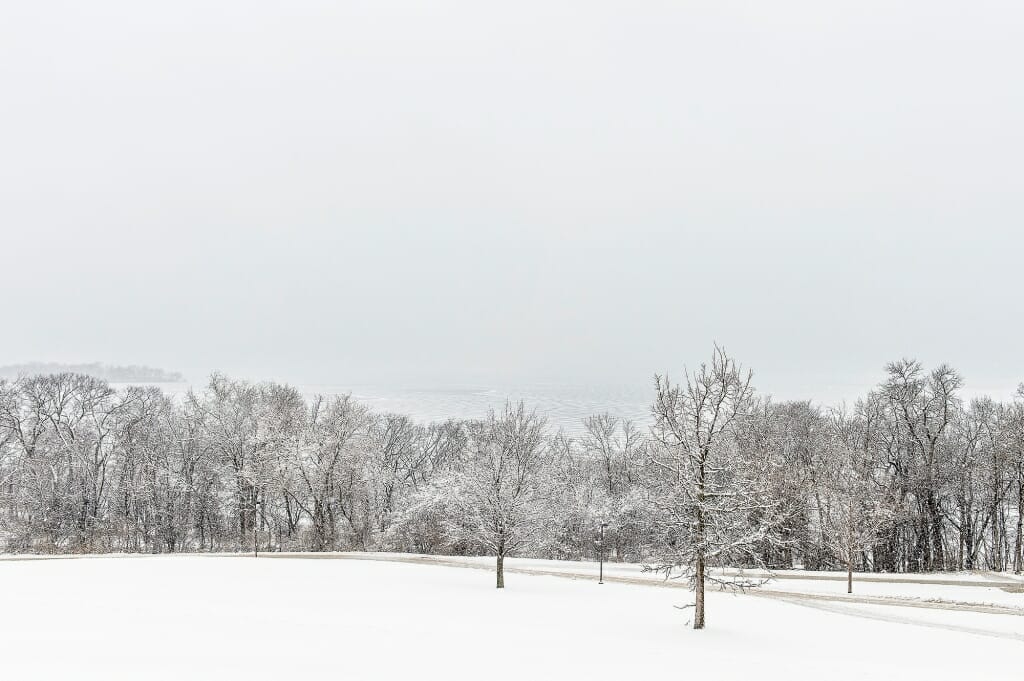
{"x": 565, "y": 405}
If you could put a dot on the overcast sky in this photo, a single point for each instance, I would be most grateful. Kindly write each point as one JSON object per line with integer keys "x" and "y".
{"x": 451, "y": 192}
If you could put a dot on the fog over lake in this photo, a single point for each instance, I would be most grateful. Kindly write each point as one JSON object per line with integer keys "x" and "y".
{"x": 564, "y": 406}
{"x": 399, "y": 196}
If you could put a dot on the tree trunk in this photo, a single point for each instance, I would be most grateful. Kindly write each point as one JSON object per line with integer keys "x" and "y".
{"x": 967, "y": 535}
{"x": 255, "y": 527}
{"x": 996, "y": 563}
{"x": 698, "y": 613}
{"x": 850, "y": 547}
{"x": 501, "y": 570}
{"x": 1017, "y": 558}
{"x": 936, "y": 556}
{"x": 822, "y": 541}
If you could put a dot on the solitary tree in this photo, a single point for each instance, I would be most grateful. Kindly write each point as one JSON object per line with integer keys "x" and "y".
{"x": 497, "y": 497}
{"x": 709, "y": 495}
{"x": 856, "y": 507}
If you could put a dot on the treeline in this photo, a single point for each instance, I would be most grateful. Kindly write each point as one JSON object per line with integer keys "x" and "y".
{"x": 910, "y": 478}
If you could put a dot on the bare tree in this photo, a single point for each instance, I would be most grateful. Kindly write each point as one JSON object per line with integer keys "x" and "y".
{"x": 498, "y": 497}
{"x": 615, "y": 449}
{"x": 924, "y": 407}
{"x": 710, "y": 496}
{"x": 725, "y": 480}
{"x": 1015, "y": 421}
{"x": 856, "y": 507}
{"x": 250, "y": 427}
{"x": 330, "y": 439}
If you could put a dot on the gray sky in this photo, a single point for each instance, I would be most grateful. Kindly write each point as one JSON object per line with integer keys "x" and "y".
{"x": 515, "y": 192}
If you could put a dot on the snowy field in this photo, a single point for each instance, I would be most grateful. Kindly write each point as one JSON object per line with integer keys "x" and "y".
{"x": 208, "y": 617}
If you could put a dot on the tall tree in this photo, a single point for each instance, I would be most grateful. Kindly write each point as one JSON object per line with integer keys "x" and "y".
{"x": 1015, "y": 423}
{"x": 330, "y": 440}
{"x": 924, "y": 407}
{"x": 710, "y": 494}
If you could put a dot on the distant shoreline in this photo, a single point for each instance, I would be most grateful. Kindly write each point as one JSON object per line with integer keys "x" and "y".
{"x": 106, "y": 372}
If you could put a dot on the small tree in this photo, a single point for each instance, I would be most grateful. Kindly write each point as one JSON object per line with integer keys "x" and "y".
{"x": 710, "y": 496}
{"x": 496, "y": 497}
{"x": 857, "y": 507}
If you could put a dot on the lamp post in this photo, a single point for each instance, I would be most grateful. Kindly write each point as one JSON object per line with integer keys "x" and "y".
{"x": 600, "y": 555}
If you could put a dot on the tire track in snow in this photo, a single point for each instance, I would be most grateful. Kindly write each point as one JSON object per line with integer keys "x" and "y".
{"x": 817, "y": 601}
{"x": 988, "y": 609}
{"x": 899, "y": 619}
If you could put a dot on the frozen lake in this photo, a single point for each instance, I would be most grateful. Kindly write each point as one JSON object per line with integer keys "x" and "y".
{"x": 566, "y": 405}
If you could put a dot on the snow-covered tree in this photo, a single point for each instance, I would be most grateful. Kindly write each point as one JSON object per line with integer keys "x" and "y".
{"x": 856, "y": 507}
{"x": 1015, "y": 424}
{"x": 330, "y": 440}
{"x": 88, "y": 467}
{"x": 498, "y": 498}
{"x": 616, "y": 451}
{"x": 710, "y": 494}
{"x": 923, "y": 406}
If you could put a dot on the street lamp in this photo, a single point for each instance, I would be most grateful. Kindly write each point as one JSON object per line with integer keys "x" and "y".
{"x": 600, "y": 554}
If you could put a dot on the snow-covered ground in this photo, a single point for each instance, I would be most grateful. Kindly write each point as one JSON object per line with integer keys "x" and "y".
{"x": 175, "y": 617}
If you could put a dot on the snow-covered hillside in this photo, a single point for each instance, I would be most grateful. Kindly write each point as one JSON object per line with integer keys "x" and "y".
{"x": 176, "y": 617}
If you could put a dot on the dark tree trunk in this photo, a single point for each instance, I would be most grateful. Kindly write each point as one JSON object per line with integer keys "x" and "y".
{"x": 967, "y": 539}
{"x": 936, "y": 556}
{"x": 698, "y": 614}
{"x": 1017, "y": 557}
{"x": 996, "y": 562}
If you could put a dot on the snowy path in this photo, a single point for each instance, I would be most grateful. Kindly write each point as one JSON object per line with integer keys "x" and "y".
{"x": 845, "y": 604}
{"x": 802, "y": 600}
{"x": 987, "y": 579}
{"x": 565, "y": 570}
{"x": 983, "y": 586}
